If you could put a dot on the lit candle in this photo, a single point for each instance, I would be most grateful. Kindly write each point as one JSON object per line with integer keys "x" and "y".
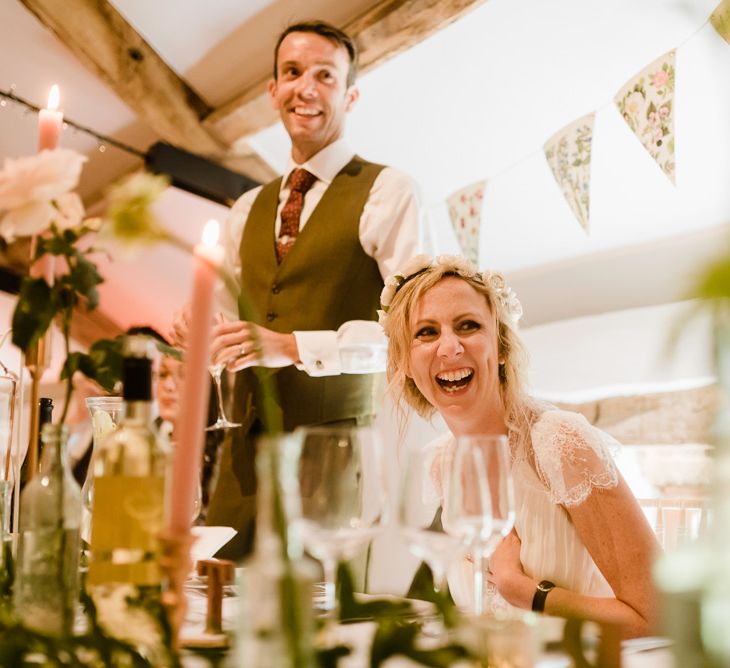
{"x": 190, "y": 423}
{"x": 50, "y": 121}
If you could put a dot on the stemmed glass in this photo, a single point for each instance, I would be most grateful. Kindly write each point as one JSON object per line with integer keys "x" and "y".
{"x": 479, "y": 504}
{"x": 419, "y": 511}
{"x": 341, "y": 483}
{"x": 216, "y": 370}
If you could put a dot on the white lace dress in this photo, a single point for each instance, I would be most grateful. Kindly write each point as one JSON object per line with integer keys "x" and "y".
{"x": 557, "y": 463}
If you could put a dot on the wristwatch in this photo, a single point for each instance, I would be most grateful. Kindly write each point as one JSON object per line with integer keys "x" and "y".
{"x": 543, "y": 589}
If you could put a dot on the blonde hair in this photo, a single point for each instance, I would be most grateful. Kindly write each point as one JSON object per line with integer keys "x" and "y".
{"x": 398, "y": 329}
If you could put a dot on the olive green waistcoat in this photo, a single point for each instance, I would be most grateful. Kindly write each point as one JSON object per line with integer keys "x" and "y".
{"x": 325, "y": 280}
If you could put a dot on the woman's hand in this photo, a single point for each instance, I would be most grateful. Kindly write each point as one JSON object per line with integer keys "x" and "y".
{"x": 505, "y": 572}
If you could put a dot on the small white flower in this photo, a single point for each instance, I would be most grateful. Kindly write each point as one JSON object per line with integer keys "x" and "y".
{"x": 414, "y": 265}
{"x": 494, "y": 280}
{"x": 386, "y": 296}
{"x": 458, "y": 263}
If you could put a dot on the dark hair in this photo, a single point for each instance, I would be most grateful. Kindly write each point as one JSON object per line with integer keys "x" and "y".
{"x": 146, "y": 330}
{"x": 328, "y": 31}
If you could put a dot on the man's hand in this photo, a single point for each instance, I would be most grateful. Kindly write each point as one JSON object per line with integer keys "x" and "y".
{"x": 243, "y": 344}
{"x": 180, "y": 330}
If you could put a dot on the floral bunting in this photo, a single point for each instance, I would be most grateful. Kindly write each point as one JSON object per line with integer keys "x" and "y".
{"x": 646, "y": 103}
{"x": 465, "y": 211}
{"x": 568, "y": 153}
{"x": 720, "y": 20}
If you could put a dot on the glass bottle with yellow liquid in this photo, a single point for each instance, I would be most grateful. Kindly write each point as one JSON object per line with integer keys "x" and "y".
{"x": 127, "y": 514}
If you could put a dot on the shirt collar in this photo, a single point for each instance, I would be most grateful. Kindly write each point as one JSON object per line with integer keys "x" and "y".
{"x": 326, "y": 164}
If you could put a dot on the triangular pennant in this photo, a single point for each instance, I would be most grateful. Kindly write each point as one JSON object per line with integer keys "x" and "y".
{"x": 465, "y": 211}
{"x": 647, "y": 104}
{"x": 720, "y": 20}
{"x": 568, "y": 153}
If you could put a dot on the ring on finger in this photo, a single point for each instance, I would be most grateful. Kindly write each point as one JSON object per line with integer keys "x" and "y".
{"x": 242, "y": 350}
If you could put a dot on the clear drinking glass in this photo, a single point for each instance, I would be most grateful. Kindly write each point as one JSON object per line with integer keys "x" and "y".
{"x": 479, "y": 505}
{"x": 341, "y": 488}
{"x": 106, "y": 414}
{"x": 216, "y": 370}
{"x": 419, "y": 511}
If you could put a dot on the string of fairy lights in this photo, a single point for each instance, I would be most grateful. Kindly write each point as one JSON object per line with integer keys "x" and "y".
{"x": 102, "y": 140}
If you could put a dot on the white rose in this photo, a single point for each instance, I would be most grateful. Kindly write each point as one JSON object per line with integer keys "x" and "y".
{"x": 38, "y": 178}
{"x": 27, "y": 220}
{"x": 382, "y": 317}
{"x": 70, "y": 211}
{"x": 414, "y": 265}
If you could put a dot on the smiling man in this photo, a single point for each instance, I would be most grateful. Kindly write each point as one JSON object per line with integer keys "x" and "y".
{"x": 309, "y": 250}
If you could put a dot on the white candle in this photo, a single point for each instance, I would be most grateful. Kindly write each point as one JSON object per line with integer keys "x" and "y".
{"x": 190, "y": 423}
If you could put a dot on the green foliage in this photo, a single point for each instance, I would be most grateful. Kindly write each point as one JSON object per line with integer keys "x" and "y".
{"x": 398, "y": 628}
{"x": 39, "y": 303}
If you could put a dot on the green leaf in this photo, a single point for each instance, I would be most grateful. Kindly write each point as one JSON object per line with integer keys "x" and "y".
{"x": 36, "y": 308}
{"x": 106, "y": 357}
{"x": 330, "y": 656}
{"x": 84, "y": 278}
{"x": 352, "y": 610}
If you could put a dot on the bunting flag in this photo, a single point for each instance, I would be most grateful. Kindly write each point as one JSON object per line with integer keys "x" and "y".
{"x": 568, "y": 153}
{"x": 647, "y": 104}
{"x": 720, "y": 20}
{"x": 465, "y": 211}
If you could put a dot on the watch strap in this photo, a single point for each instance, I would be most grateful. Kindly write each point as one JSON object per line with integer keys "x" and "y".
{"x": 541, "y": 592}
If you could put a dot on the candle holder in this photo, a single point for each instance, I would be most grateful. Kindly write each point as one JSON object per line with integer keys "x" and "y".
{"x": 176, "y": 564}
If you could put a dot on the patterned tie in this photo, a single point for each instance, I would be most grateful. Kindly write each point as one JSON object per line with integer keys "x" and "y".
{"x": 300, "y": 181}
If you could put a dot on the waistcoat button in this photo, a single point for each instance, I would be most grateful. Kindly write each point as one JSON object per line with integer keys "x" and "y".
{"x": 271, "y": 316}
{"x": 275, "y": 289}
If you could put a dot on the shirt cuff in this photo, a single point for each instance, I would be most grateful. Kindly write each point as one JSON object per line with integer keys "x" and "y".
{"x": 318, "y": 353}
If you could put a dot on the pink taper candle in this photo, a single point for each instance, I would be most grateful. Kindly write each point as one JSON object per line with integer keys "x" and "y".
{"x": 190, "y": 423}
{"x": 50, "y": 121}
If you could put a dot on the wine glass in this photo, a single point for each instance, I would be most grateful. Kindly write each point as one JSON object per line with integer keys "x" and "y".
{"x": 479, "y": 504}
{"x": 419, "y": 511}
{"x": 216, "y": 370}
{"x": 340, "y": 480}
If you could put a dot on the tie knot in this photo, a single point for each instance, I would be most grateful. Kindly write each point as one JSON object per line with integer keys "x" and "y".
{"x": 301, "y": 180}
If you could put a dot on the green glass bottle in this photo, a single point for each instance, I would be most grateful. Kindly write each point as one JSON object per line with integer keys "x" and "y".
{"x": 46, "y": 588}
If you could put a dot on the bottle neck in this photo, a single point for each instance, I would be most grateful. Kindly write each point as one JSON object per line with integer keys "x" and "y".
{"x": 138, "y": 410}
{"x": 55, "y": 441}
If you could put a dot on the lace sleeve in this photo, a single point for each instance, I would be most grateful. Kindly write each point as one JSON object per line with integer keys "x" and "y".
{"x": 572, "y": 457}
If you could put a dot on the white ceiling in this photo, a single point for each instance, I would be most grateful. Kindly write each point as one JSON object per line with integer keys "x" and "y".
{"x": 476, "y": 100}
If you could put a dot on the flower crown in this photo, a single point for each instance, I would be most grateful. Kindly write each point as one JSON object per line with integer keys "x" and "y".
{"x": 461, "y": 266}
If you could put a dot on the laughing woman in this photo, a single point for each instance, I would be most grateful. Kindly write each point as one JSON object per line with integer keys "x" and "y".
{"x": 454, "y": 349}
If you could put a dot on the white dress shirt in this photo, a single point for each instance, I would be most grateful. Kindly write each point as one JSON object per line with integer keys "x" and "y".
{"x": 391, "y": 232}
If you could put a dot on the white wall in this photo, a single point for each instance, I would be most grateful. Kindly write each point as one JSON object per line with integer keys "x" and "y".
{"x": 620, "y": 352}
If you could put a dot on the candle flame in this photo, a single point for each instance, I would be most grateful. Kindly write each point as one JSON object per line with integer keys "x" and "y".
{"x": 210, "y": 233}
{"x": 54, "y": 97}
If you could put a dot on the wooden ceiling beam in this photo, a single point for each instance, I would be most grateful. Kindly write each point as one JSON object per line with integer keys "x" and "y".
{"x": 100, "y": 37}
{"x": 386, "y": 29}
